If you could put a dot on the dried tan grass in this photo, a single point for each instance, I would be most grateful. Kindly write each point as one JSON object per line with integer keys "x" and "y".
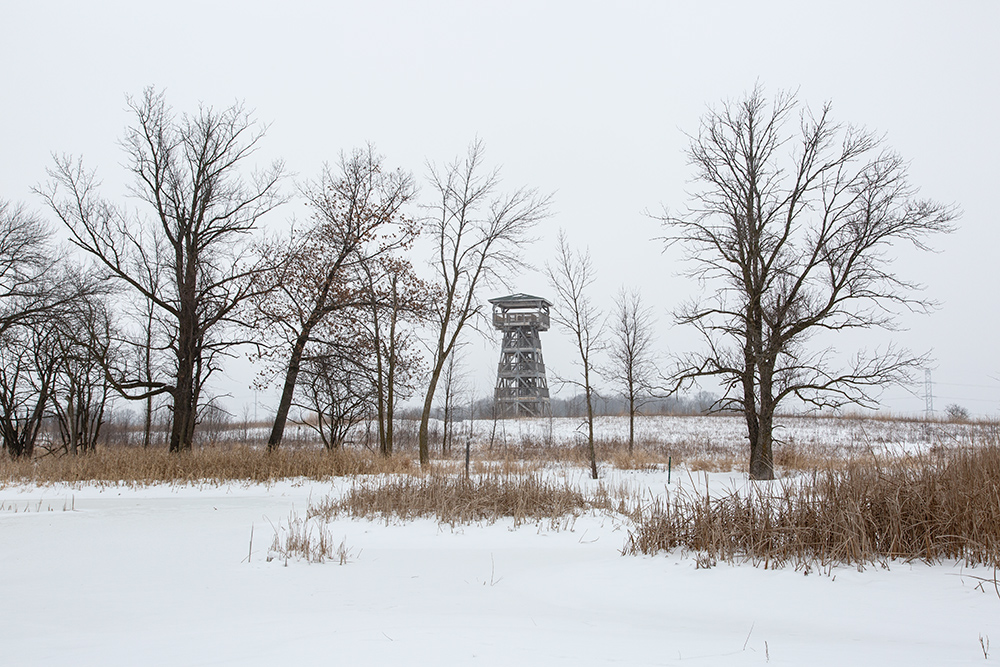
{"x": 506, "y": 465}
{"x": 795, "y": 457}
{"x": 928, "y": 508}
{"x": 639, "y": 458}
{"x": 140, "y": 467}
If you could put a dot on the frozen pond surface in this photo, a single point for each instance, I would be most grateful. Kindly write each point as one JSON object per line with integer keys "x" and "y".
{"x": 167, "y": 575}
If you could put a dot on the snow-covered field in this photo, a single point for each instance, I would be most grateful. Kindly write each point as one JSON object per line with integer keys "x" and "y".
{"x": 167, "y": 575}
{"x": 844, "y": 435}
{"x": 716, "y": 433}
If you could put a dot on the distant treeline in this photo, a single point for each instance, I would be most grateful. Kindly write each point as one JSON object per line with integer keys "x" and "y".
{"x": 575, "y": 406}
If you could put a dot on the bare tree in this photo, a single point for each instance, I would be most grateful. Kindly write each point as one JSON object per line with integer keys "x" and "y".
{"x": 957, "y": 413}
{"x": 454, "y": 386}
{"x": 477, "y": 234}
{"x": 632, "y": 366}
{"x": 39, "y": 291}
{"x": 571, "y": 276}
{"x": 28, "y": 368}
{"x": 337, "y": 392}
{"x": 358, "y": 365}
{"x": 396, "y": 300}
{"x": 83, "y": 342}
{"x": 187, "y": 171}
{"x": 358, "y": 216}
{"x": 796, "y": 230}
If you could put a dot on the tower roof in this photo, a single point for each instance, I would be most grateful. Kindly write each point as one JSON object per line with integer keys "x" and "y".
{"x": 520, "y": 300}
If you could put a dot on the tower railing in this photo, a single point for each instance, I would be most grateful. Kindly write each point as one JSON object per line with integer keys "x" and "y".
{"x": 512, "y": 319}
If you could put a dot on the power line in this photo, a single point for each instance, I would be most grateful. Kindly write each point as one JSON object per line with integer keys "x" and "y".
{"x": 897, "y": 399}
{"x": 963, "y": 398}
{"x": 978, "y": 386}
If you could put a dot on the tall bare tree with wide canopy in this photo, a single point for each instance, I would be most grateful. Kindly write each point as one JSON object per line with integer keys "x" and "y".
{"x": 796, "y": 230}
{"x": 201, "y": 209}
{"x": 478, "y": 234}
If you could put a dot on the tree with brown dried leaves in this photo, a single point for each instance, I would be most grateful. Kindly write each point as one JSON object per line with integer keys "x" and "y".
{"x": 358, "y": 217}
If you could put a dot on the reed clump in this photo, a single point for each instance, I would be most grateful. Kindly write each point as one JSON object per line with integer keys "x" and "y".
{"x": 457, "y": 500}
{"x": 930, "y": 507}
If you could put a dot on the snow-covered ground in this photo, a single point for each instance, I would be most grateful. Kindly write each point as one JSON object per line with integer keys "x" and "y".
{"x": 167, "y": 575}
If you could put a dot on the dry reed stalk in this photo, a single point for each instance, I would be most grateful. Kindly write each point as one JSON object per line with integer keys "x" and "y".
{"x": 307, "y": 540}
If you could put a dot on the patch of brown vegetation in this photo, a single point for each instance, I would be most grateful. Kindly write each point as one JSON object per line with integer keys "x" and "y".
{"x": 454, "y": 499}
{"x": 928, "y": 508}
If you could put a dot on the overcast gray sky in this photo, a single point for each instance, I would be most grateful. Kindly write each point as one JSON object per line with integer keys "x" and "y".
{"x": 589, "y": 101}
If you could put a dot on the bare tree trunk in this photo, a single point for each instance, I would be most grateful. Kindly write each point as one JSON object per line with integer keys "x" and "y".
{"x": 631, "y": 422}
{"x": 449, "y": 402}
{"x": 380, "y": 389}
{"x": 390, "y": 387}
{"x": 447, "y": 419}
{"x": 74, "y": 433}
{"x": 182, "y": 428}
{"x": 423, "y": 435}
{"x": 761, "y": 457}
{"x": 185, "y": 391}
{"x": 590, "y": 429}
{"x": 288, "y": 390}
{"x": 147, "y": 426}
{"x": 390, "y": 392}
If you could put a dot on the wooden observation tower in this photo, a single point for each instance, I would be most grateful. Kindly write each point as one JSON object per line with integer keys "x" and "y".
{"x": 522, "y": 390}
